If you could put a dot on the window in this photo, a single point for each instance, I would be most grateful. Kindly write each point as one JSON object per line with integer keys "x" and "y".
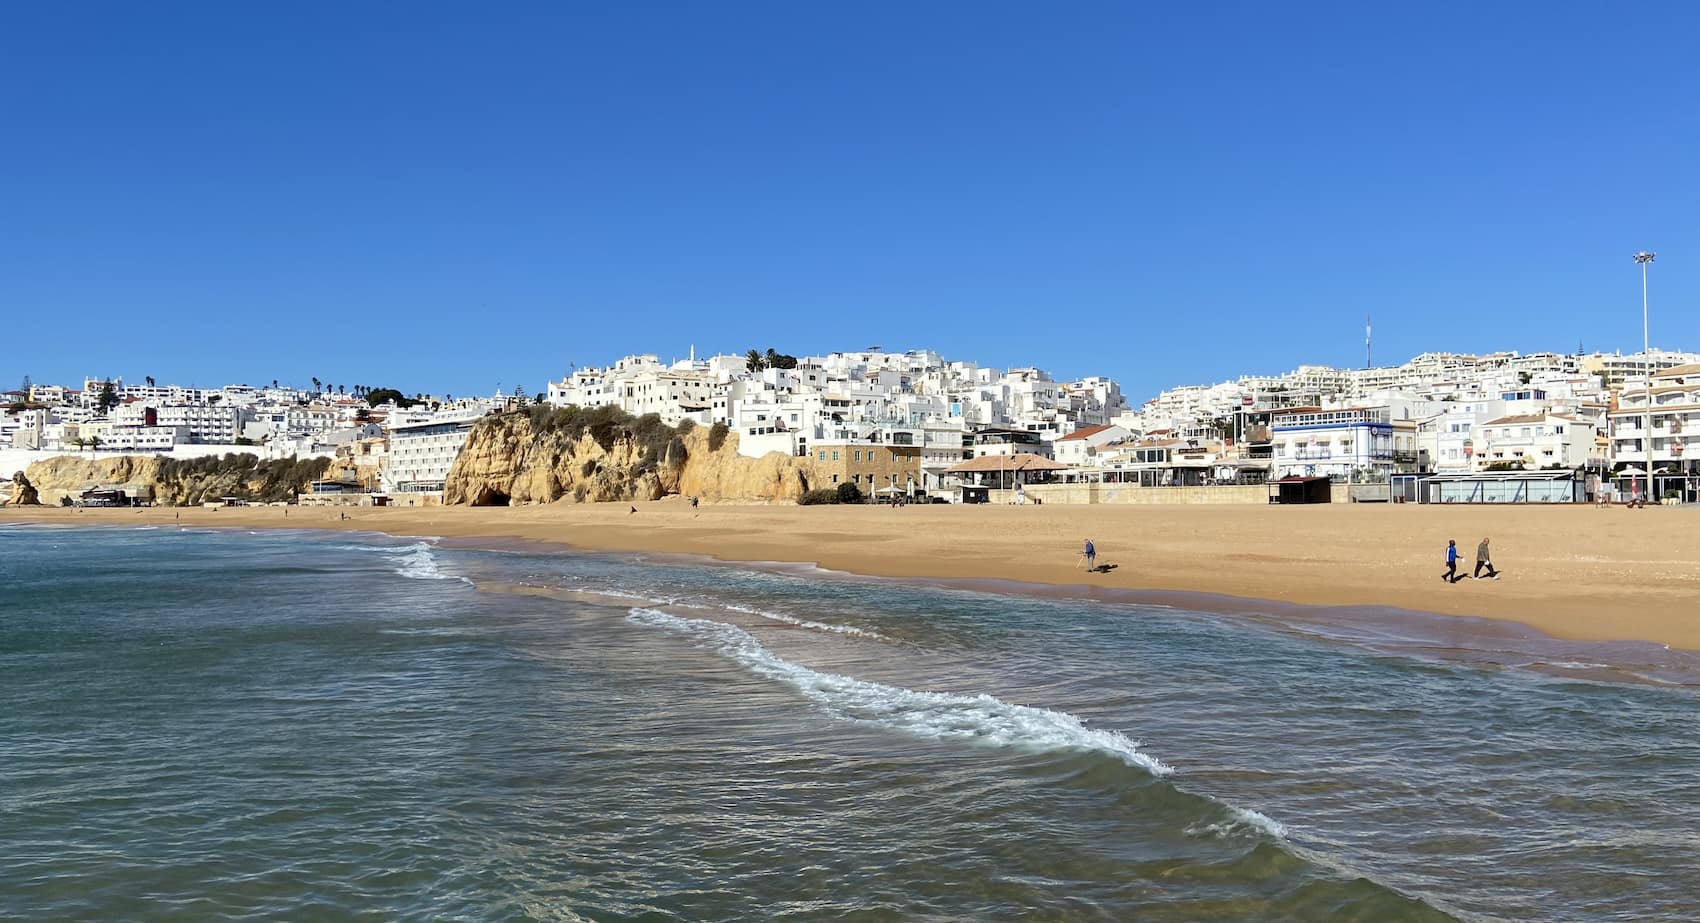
{"x": 823, "y": 455}
{"x": 859, "y": 455}
{"x": 835, "y": 457}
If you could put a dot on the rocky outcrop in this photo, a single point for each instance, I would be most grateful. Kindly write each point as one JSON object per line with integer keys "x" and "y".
{"x": 509, "y": 459}
{"x": 23, "y": 492}
{"x": 173, "y": 481}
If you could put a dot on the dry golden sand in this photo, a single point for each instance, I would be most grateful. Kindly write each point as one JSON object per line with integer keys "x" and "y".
{"x": 1572, "y": 572}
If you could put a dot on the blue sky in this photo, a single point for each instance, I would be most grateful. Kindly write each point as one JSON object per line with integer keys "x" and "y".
{"x": 444, "y": 197}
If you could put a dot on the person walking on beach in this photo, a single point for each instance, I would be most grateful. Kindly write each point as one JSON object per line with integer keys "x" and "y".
{"x": 1483, "y": 559}
{"x": 1451, "y": 575}
{"x": 1089, "y": 554}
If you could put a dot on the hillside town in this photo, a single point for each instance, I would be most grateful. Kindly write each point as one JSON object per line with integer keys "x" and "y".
{"x": 1442, "y": 427}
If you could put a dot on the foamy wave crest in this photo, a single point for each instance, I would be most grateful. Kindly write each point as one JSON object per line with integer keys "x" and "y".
{"x": 805, "y": 623}
{"x": 1240, "y": 821}
{"x": 413, "y": 561}
{"x": 940, "y": 715}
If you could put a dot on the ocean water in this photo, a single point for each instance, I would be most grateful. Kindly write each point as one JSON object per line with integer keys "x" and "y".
{"x": 203, "y": 725}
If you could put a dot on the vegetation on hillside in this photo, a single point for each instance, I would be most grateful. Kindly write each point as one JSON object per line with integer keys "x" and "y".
{"x": 609, "y": 426}
{"x": 755, "y": 360}
{"x": 192, "y": 481}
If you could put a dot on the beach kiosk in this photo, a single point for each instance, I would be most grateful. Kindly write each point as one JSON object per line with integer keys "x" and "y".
{"x": 1296, "y": 489}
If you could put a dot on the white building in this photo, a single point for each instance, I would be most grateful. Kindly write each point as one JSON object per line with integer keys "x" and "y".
{"x": 207, "y": 423}
{"x": 1533, "y": 442}
{"x": 421, "y": 454}
{"x": 1344, "y": 443}
{"x": 1081, "y": 447}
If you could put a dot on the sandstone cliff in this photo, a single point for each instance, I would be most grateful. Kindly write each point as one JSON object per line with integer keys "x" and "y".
{"x": 520, "y": 458}
{"x": 23, "y": 492}
{"x": 177, "y": 482}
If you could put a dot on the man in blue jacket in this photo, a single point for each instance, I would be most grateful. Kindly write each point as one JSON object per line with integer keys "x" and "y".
{"x": 1451, "y": 575}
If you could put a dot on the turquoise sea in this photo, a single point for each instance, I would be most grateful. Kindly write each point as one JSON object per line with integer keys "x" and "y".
{"x": 296, "y": 726}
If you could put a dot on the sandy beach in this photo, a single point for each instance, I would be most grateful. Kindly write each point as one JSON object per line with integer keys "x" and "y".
{"x": 1577, "y": 573}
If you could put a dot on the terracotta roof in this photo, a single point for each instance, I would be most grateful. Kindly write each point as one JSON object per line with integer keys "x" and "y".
{"x": 1519, "y": 418}
{"x": 1021, "y": 461}
{"x": 1083, "y": 433}
{"x": 1678, "y": 370}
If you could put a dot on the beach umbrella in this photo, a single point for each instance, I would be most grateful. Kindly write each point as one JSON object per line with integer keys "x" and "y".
{"x": 1631, "y": 472}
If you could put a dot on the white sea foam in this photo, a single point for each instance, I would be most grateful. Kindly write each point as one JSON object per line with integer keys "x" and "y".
{"x": 627, "y": 594}
{"x": 805, "y": 623}
{"x": 945, "y": 716}
{"x": 1240, "y": 821}
{"x": 413, "y": 561}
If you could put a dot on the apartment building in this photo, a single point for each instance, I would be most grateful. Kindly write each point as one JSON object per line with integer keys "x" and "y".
{"x": 1670, "y": 450}
{"x": 421, "y": 454}
{"x": 1533, "y": 442}
{"x": 205, "y": 423}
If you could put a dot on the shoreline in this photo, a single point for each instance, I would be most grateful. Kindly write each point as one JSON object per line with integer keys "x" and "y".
{"x": 1259, "y": 561}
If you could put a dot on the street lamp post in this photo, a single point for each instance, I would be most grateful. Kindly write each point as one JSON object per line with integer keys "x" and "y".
{"x": 1644, "y": 259}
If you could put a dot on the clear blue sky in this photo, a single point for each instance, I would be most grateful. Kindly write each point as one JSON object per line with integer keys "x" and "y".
{"x": 443, "y": 197}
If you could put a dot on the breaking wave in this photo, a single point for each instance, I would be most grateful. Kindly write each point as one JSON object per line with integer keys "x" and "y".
{"x": 938, "y": 715}
{"x": 805, "y": 623}
{"x": 412, "y": 561}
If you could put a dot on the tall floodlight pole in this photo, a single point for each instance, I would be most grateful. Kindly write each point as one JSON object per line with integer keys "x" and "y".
{"x": 1645, "y": 258}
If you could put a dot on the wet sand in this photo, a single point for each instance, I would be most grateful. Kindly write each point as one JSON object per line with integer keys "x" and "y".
{"x": 1576, "y": 573}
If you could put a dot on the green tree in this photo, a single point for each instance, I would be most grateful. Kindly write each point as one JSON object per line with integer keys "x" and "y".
{"x": 108, "y": 397}
{"x": 849, "y": 493}
{"x": 754, "y": 362}
{"x": 376, "y": 396}
{"x": 316, "y": 387}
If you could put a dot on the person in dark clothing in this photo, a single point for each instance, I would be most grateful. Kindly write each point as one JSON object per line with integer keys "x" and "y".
{"x": 1451, "y": 575}
{"x": 1483, "y": 559}
{"x": 1090, "y": 554}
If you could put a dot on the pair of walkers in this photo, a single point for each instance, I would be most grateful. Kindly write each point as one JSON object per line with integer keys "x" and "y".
{"x": 1483, "y": 560}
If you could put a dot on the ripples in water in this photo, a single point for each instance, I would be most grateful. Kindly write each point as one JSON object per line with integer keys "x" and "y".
{"x": 288, "y": 727}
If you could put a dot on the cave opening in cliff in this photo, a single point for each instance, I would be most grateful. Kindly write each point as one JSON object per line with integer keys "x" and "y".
{"x": 493, "y": 498}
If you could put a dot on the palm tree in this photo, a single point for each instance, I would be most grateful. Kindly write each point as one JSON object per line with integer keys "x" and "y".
{"x": 772, "y": 359}
{"x": 316, "y": 388}
{"x": 753, "y": 361}
{"x": 149, "y": 380}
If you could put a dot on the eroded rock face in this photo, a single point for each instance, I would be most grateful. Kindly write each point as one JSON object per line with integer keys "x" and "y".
{"x": 23, "y": 492}
{"x": 68, "y": 475}
{"x": 505, "y": 461}
{"x": 169, "y": 483}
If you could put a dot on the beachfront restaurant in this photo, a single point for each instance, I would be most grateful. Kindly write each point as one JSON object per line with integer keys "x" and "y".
{"x": 1502, "y": 487}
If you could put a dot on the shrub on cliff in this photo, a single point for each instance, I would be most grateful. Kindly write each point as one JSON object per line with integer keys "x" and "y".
{"x": 717, "y": 436}
{"x": 818, "y": 497}
{"x": 657, "y": 442}
{"x": 192, "y": 481}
